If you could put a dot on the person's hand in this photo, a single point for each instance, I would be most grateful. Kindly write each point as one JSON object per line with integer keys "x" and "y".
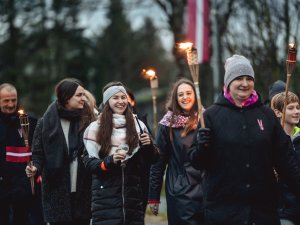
{"x": 204, "y": 137}
{"x": 154, "y": 207}
{"x": 119, "y": 155}
{"x": 30, "y": 171}
{"x": 145, "y": 139}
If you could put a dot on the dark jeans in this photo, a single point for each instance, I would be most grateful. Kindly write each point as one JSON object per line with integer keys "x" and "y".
{"x": 14, "y": 212}
{"x": 36, "y": 211}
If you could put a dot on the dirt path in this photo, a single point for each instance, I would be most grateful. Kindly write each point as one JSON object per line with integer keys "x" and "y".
{"x": 155, "y": 220}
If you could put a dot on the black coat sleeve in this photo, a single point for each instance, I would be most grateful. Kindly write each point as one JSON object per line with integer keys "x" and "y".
{"x": 93, "y": 164}
{"x": 195, "y": 155}
{"x": 32, "y": 126}
{"x": 38, "y": 156}
{"x": 150, "y": 152}
{"x": 198, "y": 155}
{"x": 157, "y": 170}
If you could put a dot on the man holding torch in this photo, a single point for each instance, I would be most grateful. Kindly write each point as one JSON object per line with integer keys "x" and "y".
{"x": 15, "y": 191}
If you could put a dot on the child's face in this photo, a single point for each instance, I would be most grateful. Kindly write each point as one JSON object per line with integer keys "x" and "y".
{"x": 292, "y": 115}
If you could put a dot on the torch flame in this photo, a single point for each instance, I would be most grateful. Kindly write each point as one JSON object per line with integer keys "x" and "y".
{"x": 151, "y": 74}
{"x": 21, "y": 112}
{"x": 292, "y": 46}
{"x": 185, "y": 45}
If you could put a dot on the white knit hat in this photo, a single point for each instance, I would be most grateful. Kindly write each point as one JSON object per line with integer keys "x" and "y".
{"x": 235, "y": 66}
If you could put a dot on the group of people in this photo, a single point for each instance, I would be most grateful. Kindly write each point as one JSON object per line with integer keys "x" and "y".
{"x": 241, "y": 168}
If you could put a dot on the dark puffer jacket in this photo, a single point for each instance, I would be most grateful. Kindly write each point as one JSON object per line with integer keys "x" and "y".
{"x": 239, "y": 184}
{"x": 117, "y": 193}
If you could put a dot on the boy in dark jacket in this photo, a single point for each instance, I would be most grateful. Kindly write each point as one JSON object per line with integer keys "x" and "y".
{"x": 289, "y": 210}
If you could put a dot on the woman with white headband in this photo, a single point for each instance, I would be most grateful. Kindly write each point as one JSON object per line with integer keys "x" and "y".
{"x": 117, "y": 145}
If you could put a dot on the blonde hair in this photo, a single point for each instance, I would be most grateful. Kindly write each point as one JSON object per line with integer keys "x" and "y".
{"x": 277, "y": 102}
{"x": 91, "y": 100}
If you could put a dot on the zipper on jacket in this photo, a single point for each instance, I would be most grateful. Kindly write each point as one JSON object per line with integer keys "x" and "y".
{"x": 123, "y": 197}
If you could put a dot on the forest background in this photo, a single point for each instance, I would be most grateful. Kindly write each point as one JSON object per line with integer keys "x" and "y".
{"x": 43, "y": 41}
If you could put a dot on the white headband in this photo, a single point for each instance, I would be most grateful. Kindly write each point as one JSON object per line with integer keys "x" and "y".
{"x": 109, "y": 92}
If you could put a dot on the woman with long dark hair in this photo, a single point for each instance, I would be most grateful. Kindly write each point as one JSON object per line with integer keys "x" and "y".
{"x": 117, "y": 145}
{"x": 174, "y": 138}
{"x": 57, "y": 155}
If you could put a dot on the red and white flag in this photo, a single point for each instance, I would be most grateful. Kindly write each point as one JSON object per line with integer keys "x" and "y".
{"x": 198, "y": 28}
{"x": 18, "y": 154}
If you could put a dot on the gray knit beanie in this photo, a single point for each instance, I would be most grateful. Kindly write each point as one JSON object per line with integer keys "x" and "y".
{"x": 235, "y": 66}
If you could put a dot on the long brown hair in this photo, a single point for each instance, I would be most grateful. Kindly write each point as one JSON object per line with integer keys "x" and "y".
{"x": 106, "y": 127}
{"x": 173, "y": 105}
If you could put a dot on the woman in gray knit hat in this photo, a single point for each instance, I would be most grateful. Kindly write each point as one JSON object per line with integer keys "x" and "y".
{"x": 241, "y": 144}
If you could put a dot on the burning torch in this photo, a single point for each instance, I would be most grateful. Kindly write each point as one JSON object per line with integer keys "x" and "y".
{"x": 290, "y": 65}
{"x": 25, "y": 133}
{"x": 192, "y": 59}
{"x": 154, "y": 85}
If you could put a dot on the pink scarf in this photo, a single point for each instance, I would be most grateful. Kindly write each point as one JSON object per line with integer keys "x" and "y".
{"x": 249, "y": 101}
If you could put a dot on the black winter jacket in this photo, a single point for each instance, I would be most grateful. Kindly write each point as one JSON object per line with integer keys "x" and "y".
{"x": 14, "y": 184}
{"x": 239, "y": 184}
{"x": 183, "y": 182}
{"x": 117, "y": 197}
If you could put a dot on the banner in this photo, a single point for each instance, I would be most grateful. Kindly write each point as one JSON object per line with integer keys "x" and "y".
{"x": 198, "y": 28}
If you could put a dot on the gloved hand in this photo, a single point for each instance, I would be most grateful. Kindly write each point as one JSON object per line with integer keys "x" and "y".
{"x": 204, "y": 138}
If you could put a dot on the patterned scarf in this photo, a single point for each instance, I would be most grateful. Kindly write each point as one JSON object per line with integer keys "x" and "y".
{"x": 177, "y": 122}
